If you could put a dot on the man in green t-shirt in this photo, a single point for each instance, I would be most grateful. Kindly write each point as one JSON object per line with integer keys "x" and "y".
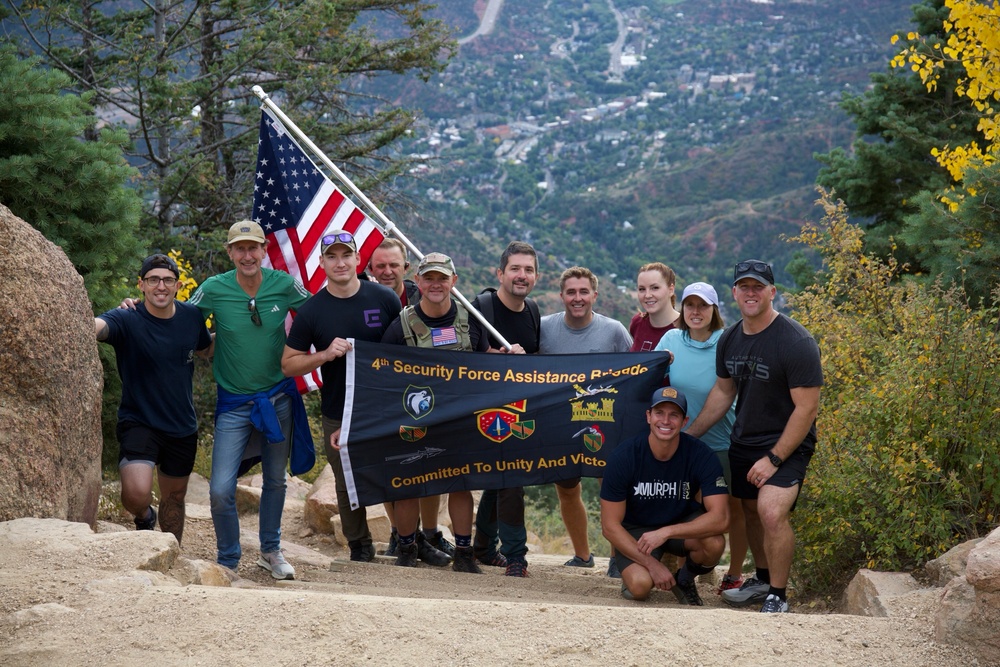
{"x": 256, "y": 402}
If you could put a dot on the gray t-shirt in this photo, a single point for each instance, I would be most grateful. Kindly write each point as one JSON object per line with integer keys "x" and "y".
{"x": 603, "y": 334}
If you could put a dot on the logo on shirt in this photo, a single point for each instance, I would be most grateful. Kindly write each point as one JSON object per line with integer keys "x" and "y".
{"x": 418, "y": 401}
{"x": 373, "y": 318}
{"x": 662, "y": 490}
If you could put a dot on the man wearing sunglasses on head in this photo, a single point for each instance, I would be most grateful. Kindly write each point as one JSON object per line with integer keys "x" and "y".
{"x": 347, "y": 307}
{"x": 258, "y": 408}
{"x": 771, "y": 365}
{"x": 155, "y": 346}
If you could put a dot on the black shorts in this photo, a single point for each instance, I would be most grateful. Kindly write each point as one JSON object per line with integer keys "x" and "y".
{"x": 673, "y": 546}
{"x": 140, "y": 443}
{"x": 789, "y": 474}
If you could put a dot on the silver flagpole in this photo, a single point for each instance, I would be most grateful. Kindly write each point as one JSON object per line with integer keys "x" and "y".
{"x": 386, "y": 225}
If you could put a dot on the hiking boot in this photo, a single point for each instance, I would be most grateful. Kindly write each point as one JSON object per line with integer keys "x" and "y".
{"x": 465, "y": 561}
{"x": 441, "y": 543}
{"x": 686, "y": 589}
{"x": 393, "y": 544}
{"x": 774, "y": 605}
{"x": 752, "y": 591}
{"x": 516, "y": 568}
{"x": 576, "y": 561}
{"x": 362, "y": 552}
{"x": 613, "y": 571}
{"x": 493, "y": 559}
{"x": 275, "y": 563}
{"x": 406, "y": 555}
{"x": 147, "y": 524}
{"x": 729, "y": 582}
{"x": 429, "y": 554}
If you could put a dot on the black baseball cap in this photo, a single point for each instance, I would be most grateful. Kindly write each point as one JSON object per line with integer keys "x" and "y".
{"x": 753, "y": 268}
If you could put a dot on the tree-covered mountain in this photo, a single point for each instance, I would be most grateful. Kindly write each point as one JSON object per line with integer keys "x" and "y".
{"x": 613, "y": 133}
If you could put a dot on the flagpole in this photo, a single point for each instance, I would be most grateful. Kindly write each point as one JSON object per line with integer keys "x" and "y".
{"x": 386, "y": 225}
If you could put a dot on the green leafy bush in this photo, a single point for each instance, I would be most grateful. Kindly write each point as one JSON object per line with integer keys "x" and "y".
{"x": 906, "y": 464}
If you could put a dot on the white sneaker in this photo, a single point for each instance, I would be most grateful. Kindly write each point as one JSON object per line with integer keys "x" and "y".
{"x": 275, "y": 563}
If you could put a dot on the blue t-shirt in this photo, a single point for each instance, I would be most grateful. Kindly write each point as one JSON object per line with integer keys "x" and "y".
{"x": 661, "y": 493}
{"x": 156, "y": 364}
{"x": 693, "y": 372}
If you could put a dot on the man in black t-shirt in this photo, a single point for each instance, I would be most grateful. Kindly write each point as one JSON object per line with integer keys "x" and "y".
{"x": 346, "y": 307}
{"x": 771, "y": 365}
{"x": 515, "y": 316}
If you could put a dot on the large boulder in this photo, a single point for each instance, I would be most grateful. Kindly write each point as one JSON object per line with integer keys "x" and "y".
{"x": 50, "y": 396}
{"x": 970, "y": 615}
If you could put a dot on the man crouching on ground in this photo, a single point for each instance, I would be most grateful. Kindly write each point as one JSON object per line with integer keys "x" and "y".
{"x": 664, "y": 492}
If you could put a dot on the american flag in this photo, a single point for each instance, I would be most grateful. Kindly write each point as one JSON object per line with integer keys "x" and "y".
{"x": 297, "y": 204}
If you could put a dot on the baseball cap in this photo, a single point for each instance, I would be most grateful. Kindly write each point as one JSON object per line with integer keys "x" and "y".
{"x": 703, "y": 290}
{"x": 436, "y": 261}
{"x": 753, "y": 268}
{"x": 669, "y": 395}
{"x": 338, "y": 237}
{"x": 245, "y": 230}
{"x": 158, "y": 262}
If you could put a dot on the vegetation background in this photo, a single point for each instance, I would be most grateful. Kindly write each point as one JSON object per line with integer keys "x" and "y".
{"x": 128, "y": 128}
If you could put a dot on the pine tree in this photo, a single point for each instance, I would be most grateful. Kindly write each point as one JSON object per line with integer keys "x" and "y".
{"x": 71, "y": 190}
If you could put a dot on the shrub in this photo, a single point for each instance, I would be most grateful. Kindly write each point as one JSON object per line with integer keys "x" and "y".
{"x": 906, "y": 461}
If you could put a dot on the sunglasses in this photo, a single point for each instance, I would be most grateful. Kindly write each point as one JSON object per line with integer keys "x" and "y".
{"x": 254, "y": 315}
{"x": 761, "y": 268}
{"x": 342, "y": 237}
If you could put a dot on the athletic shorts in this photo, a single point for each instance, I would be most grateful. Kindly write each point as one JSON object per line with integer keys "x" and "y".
{"x": 139, "y": 443}
{"x": 569, "y": 483}
{"x": 789, "y": 474}
{"x": 673, "y": 546}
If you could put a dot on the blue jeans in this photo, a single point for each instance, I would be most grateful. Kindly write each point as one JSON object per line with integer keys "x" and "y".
{"x": 233, "y": 434}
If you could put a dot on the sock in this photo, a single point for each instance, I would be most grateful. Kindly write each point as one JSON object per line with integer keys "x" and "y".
{"x": 463, "y": 540}
{"x": 406, "y": 540}
{"x": 780, "y": 592}
{"x": 763, "y": 575}
{"x": 695, "y": 569}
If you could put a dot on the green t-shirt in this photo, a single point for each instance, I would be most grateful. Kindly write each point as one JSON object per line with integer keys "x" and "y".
{"x": 248, "y": 357}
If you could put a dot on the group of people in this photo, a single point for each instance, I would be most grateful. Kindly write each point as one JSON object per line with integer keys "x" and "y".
{"x": 730, "y": 431}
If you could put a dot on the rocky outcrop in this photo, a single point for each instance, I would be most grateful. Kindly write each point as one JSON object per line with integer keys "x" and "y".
{"x": 964, "y": 592}
{"x": 50, "y": 396}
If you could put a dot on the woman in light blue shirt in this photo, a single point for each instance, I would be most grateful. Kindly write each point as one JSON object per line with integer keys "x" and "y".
{"x": 693, "y": 372}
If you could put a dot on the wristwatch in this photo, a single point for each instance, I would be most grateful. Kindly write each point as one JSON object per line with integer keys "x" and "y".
{"x": 774, "y": 459}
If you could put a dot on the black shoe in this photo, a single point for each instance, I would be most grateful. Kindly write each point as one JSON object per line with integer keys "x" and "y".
{"x": 613, "y": 570}
{"x": 686, "y": 589}
{"x": 493, "y": 559}
{"x": 465, "y": 561}
{"x": 429, "y": 554}
{"x": 362, "y": 552}
{"x": 441, "y": 543}
{"x": 149, "y": 523}
{"x": 407, "y": 555}
{"x": 393, "y": 544}
{"x": 516, "y": 568}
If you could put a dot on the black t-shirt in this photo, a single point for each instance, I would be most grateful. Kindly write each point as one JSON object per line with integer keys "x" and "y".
{"x": 364, "y": 316}
{"x": 515, "y": 327}
{"x": 765, "y": 366}
{"x": 394, "y": 334}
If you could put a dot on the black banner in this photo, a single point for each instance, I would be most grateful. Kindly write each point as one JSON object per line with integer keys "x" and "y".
{"x": 420, "y": 422}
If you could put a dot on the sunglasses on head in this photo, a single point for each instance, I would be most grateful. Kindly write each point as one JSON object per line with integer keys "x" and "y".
{"x": 342, "y": 237}
{"x": 761, "y": 268}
